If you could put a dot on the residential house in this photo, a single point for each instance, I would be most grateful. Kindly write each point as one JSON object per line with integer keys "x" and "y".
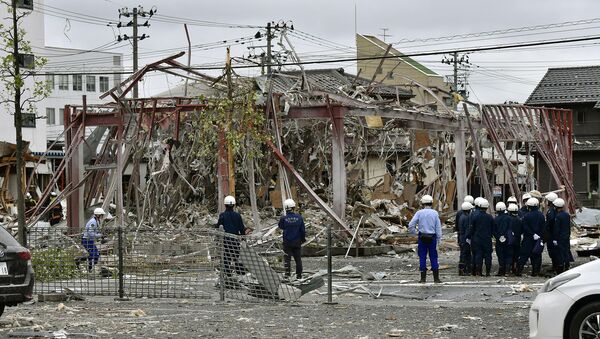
{"x": 576, "y": 88}
{"x": 394, "y": 69}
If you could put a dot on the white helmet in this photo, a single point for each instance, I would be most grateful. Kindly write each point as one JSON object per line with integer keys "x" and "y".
{"x": 526, "y": 196}
{"x": 512, "y": 199}
{"x": 477, "y": 201}
{"x": 532, "y": 202}
{"x": 289, "y": 203}
{"x": 466, "y": 206}
{"x": 469, "y": 199}
{"x": 513, "y": 208}
{"x": 426, "y": 199}
{"x": 558, "y": 202}
{"x": 551, "y": 196}
{"x": 99, "y": 211}
{"x": 229, "y": 200}
{"x": 28, "y": 195}
{"x": 52, "y": 194}
{"x": 483, "y": 203}
{"x": 500, "y": 206}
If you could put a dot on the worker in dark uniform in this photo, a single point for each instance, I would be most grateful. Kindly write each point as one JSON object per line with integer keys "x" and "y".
{"x": 464, "y": 265}
{"x": 562, "y": 236}
{"x": 232, "y": 223}
{"x": 524, "y": 209}
{"x": 480, "y": 238}
{"x": 56, "y": 212}
{"x": 532, "y": 244}
{"x": 427, "y": 220}
{"x": 29, "y": 201}
{"x": 516, "y": 228}
{"x": 468, "y": 199}
{"x": 294, "y": 234}
{"x": 504, "y": 237}
{"x": 548, "y": 231}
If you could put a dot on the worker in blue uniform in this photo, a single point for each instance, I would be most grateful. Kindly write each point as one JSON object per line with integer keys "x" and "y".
{"x": 562, "y": 236}
{"x": 504, "y": 237}
{"x": 480, "y": 238}
{"x": 548, "y": 231}
{"x": 90, "y": 235}
{"x": 464, "y": 265}
{"x": 294, "y": 234}
{"x": 427, "y": 222}
{"x": 532, "y": 244}
{"x": 233, "y": 224}
{"x": 516, "y": 228}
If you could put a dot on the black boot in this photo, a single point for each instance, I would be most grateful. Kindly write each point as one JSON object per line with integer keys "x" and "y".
{"x": 423, "y": 277}
{"x": 488, "y": 269}
{"x": 501, "y": 271}
{"x": 519, "y": 271}
{"x": 436, "y": 276}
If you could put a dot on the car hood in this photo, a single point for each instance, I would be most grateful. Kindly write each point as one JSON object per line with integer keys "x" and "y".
{"x": 587, "y": 283}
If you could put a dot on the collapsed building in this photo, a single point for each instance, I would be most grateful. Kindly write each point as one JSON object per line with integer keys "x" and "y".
{"x": 351, "y": 145}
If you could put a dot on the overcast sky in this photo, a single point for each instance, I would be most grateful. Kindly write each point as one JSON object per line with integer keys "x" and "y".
{"x": 494, "y": 76}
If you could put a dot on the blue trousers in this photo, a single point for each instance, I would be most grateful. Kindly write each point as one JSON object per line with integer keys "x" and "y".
{"x": 465, "y": 256}
{"x": 428, "y": 248}
{"x": 93, "y": 254}
{"x": 526, "y": 253}
{"x": 505, "y": 254}
{"x": 482, "y": 252}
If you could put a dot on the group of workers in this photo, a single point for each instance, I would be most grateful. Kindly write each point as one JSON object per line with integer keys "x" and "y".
{"x": 520, "y": 235}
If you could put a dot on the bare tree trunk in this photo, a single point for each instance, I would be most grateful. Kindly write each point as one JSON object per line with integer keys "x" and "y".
{"x": 22, "y": 234}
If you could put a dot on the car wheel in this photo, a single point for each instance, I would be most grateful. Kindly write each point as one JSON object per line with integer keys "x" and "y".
{"x": 586, "y": 322}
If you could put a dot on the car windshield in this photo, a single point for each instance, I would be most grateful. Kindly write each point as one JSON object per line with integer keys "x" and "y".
{"x": 7, "y": 239}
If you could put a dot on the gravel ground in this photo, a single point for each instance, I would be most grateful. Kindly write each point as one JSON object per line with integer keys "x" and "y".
{"x": 462, "y": 307}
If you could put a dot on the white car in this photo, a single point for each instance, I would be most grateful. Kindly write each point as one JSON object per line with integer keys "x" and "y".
{"x": 568, "y": 305}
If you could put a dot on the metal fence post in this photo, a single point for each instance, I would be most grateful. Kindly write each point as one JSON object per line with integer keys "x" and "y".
{"x": 120, "y": 241}
{"x": 222, "y": 264}
{"x": 329, "y": 272}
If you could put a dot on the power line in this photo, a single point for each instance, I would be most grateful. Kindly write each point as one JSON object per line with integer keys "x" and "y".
{"x": 463, "y": 50}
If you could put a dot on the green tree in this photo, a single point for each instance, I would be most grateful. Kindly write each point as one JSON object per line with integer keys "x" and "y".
{"x": 19, "y": 95}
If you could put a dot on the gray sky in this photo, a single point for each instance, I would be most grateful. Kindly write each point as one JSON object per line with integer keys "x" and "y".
{"x": 494, "y": 76}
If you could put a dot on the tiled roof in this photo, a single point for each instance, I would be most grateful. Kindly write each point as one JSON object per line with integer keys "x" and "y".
{"x": 586, "y": 143}
{"x": 326, "y": 80}
{"x": 568, "y": 85}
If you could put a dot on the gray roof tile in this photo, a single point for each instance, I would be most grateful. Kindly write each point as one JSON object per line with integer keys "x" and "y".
{"x": 568, "y": 85}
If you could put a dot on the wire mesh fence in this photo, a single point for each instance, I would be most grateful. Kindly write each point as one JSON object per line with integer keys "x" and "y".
{"x": 190, "y": 263}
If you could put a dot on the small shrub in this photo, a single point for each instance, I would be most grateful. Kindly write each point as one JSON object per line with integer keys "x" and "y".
{"x": 53, "y": 264}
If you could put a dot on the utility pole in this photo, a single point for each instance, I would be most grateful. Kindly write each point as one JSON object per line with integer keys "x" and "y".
{"x": 457, "y": 62}
{"x": 269, "y": 37}
{"x": 22, "y": 235}
{"x": 135, "y": 13}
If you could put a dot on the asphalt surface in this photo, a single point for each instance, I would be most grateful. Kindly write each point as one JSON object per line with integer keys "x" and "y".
{"x": 395, "y": 306}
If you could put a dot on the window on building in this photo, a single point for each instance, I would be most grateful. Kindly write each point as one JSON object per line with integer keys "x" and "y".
{"x": 580, "y": 117}
{"x": 63, "y": 82}
{"x": 103, "y": 84}
{"x": 28, "y": 119}
{"x": 77, "y": 82}
{"x": 61, "y": 116}
{"x": 90, "y": 83}
{"x": 117, "y": 79}
{"x": 50, "y": 81}
{"x": 50, "y": 116}
{"x": 116, "y": 60}
{"x": 593, "y": 177}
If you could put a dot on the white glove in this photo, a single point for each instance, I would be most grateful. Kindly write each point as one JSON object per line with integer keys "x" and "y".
{"x": 502, "y": 238}
{"x": 555, "y": 242}
{"x": 468, "y": 241}
{"x": 536, "y": 237}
